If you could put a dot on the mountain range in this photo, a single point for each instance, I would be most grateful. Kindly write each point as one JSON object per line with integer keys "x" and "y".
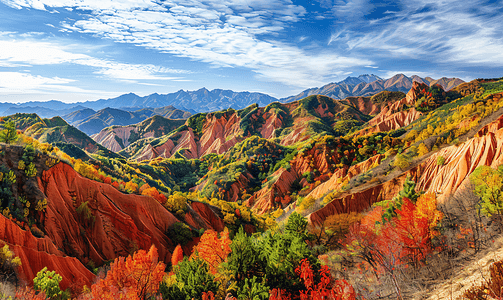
{"x": 368, "y": 85}
{"x": 204, "y": 100}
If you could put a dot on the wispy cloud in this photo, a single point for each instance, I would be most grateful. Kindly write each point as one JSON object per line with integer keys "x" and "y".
{"x": 17, "y": 82}
{"x": 31, "y": 52}
{"x": 222, "y": 33}
{"x": 459, "y": 32}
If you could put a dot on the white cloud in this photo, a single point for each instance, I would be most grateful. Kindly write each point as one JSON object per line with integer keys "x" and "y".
{"x": 17, "y": 82}
{"x": 438, "y": 31}
{"x": 224, "y": 33}
{"x": 20, "y": 53}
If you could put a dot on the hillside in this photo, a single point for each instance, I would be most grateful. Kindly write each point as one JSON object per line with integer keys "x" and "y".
{"x": 356, "y": 86}
{"x": 362, "y": 198}
{"x": 73, "y": 216}
{"x": 286, "y": 124}
{"x": 57, "y": 132}
{"x": 94, "y": 123}
{"x": 116, "y": 138}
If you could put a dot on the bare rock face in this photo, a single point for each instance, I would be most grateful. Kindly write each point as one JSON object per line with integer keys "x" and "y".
{"x": 336, "y": 180}
{"x": 485, "y": 149}
{"x": 121, "y": 222}
{"x": 460, "y": 161}
{"x": 266, "y": 199}
{"x": 398, "y": 114}
{"x": 74, "y": 274}
{"x": 37, "y": 253}
{"x": 277, "y": 193}
{"x": 109, "y": 138}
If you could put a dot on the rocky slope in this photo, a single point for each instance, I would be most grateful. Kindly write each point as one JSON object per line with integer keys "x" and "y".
{"x": 94, "y": 123}
{"x": 87, "y": 223}
{"x": 485, "y": 148}
{"x": 397, "y": 114}
{"x": 116, "y": 138}
{"x": 218, "y": 132}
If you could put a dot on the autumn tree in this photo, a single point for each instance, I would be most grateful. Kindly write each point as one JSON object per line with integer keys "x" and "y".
{"x": 176, "y": 203}
{"x": 403, "y": 240}
{"x": 131, "y": 187}
{"x": 9, "y": 133}
{"x": 138, "y": 275}
{"x": 322, "y": 286}
{"x": 488, "y": 184}
{"x": 154, "y": 193}
{"x": 8, "y": 262}
{"x": 177, "y": 255}
{"x": 422, "y": 150}
{"x": 213, "y": 249}
{"x": 30, "y": 294}
{"x": 334, "y": 228}
{"x": 401, "y": 161}
{"x": 48, "y": 282}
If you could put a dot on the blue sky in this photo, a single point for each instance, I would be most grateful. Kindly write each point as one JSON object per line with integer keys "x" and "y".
{"x": 74, "y": 50}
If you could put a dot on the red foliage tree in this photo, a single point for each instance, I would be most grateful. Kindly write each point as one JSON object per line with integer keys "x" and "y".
{"x": 136, "y": 277}
{"x": 154, "y": 193}
{"x": 326, "y": 288}
{"x": 177, "y": 255}
{"x": 212, "y": 249}
{"x": 29, "y": 293}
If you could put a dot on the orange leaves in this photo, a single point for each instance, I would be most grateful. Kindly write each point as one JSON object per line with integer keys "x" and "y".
{"x": 135, "y": 277}
{"x": 208, "y": 296}
{"x": 405, "y": 239}
{"x": 177, "y": 255}
{"x": 212, "y": 249}
{"x": 426, "y": 208}
{"x": 154, "y": 193}
{"x": 29, "y": 294}
{"x": 131, "y": 187}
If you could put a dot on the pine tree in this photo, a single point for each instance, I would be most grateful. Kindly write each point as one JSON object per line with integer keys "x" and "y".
{"x": 9, "y": 134}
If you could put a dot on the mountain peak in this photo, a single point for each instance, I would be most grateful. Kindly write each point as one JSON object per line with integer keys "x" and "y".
{"x": 369, "y": 78}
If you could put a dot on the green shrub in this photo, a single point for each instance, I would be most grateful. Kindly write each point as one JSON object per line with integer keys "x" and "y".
{"x": 31, "y": 171}
{"x": 48, "y": 282}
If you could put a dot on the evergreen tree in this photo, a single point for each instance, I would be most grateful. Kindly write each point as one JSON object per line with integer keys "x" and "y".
{"x": 9, "y": 134}
{"x": 408, "y": 191}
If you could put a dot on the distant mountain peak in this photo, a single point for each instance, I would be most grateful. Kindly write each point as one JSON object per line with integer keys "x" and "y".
{"x": 368, "y": 85}
{"x": 369, "y": 78}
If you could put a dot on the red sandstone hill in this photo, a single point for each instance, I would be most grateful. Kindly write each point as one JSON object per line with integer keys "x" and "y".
{"x": 116, "y": 138}
{"x": 217, "y": 132}
{"x": 112, "y": 224}
{"x": 444, "y": 180}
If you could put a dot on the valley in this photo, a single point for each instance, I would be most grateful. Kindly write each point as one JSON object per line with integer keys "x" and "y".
{"x": 381, "y": 189}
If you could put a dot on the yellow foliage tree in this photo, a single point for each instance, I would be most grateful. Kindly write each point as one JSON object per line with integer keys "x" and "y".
{"x": 176, "y": 202}
{"x": 131, "y": 187}
{"x": 422, "y": 150}
{"x": 426, "y": 207}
